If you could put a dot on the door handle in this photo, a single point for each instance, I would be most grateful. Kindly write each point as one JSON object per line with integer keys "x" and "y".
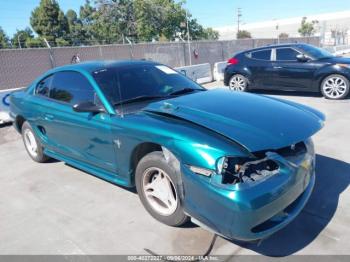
{"x": 48, "y": 117}
{"x": 277, "y": 67}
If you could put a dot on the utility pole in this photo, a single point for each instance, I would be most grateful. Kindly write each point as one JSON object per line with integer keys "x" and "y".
{"x": 277, "y": 30}
{"x": 239, "y": 15}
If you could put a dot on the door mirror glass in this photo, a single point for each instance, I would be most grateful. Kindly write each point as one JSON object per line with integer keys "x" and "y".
{"x": 302, "y": 58}
{"x": 88, "y": 107}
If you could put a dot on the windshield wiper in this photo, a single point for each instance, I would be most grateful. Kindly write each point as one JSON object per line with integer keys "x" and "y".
{"x": 185, "y": 91}
{"x": 137, "y": 99}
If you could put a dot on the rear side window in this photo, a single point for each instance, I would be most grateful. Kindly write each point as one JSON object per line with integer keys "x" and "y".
{"x": 261, "y": 55}
{"x": 286, "y": 54}
{"x": 72, "y": 88}
{"x": 43, "y": 88}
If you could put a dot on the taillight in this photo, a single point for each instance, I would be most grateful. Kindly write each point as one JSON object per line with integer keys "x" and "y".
{"x": 233, "y": 61}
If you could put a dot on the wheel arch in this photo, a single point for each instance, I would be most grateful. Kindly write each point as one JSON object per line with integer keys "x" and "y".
{"x": 18, "y": 123}
{"x": 138, "y": 153}
{"x": 323, "y": 77}
{"x": 234, "y": 70}
{"x": 340, "y": 74}
{"x": 145, "y": 148}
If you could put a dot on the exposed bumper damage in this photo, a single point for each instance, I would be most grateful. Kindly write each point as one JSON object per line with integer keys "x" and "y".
{"x": 266, "y": 164}
{"x": 253, "y": 198}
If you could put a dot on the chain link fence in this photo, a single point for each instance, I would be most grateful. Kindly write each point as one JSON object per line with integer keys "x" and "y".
{"x": 19, "y": 67}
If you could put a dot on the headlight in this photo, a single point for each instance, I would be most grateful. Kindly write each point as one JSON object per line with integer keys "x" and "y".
{"x": 310, "y": 146}
{"x": 221, "y": 165}
{"x": 201, "y": 171}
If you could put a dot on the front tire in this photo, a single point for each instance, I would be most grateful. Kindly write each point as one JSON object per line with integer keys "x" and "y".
{"x": 335, "y": 87}
{"x": 239, "y": 83}
{"x": 32, "y": 144}
{"x": 158, "y": 187}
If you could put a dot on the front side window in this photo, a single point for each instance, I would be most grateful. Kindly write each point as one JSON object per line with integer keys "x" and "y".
{"x": 286, "y": 54}
{"x": 72, "y": 88}
{"x": 262, "y": 55}
{"x": 43, "y": 88}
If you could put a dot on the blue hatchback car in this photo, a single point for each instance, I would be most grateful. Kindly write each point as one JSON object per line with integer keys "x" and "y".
{"x": 289, "y": 67}
{"x": 240, "y": 164}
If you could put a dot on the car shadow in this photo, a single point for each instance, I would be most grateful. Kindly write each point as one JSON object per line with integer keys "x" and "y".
{"x": 290, "y": 93}
{"x": 332, "y": 178}
{"x": 5, "y": 125}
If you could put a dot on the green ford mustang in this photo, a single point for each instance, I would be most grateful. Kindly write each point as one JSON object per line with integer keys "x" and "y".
{"x": 239, "y": 164}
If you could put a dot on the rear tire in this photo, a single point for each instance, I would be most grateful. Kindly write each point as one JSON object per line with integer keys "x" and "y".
{"x": 158, "y": 187}
{"x": 335, "y": 87}
{"x": 238, "y": 83}
{"x": 32, "y": 144}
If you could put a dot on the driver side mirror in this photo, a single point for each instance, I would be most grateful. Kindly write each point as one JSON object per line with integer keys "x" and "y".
{"x": 302, "y": 58}
{"x": 88, "y": 107}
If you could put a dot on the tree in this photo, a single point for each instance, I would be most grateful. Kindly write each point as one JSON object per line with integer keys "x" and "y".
{"x": 210, "y": 34}
{"x": 149, "y": 19}
{"x": 34, "y": 42}
{"x": 87, "y": 18}
{"x": 283, "y": 35}
{"x": 243, "y": 34}
{"x": 49, "y": 21}
{"x": 19, "y": 39}
{"x": 307, "y": 29}
{"x": 4, "y": 40}
{"x": 76, "y": 33}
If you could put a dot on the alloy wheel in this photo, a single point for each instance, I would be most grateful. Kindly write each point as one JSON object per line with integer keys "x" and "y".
{"x": 335, "y": 87}
{"x": 30, "y": 142}
{"x": 160, "y": 191}
{"x": 238, "y": 83}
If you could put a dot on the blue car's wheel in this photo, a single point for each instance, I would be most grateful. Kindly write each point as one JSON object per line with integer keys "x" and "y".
{"x": 158, "y": 186}
{"x": 32, "y": 144}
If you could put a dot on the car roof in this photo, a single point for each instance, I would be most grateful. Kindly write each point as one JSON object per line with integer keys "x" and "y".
{"x": 92, "y": 66}
{"x": 275, "y": 46}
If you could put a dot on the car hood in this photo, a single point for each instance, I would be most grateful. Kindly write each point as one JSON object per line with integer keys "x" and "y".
{"x": 254, "y": 121}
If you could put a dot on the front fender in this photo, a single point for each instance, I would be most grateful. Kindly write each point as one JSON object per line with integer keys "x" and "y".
{"x": 323, "y": 72}
{"x": 190, "y": 143}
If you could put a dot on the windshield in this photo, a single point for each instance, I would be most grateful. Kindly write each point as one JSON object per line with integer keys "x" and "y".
{"x": 136, "y": 83}
{"x": 315, "y": 52}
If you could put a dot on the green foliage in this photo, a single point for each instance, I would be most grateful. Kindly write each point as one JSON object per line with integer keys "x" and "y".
{"x": 156, "y": 19}
{"x": 61, "y": 42}
{"x": 87, "y": 18}
{"x": 307, "y": 29}
{"x": 113, "y": 20}
{"x": 22, "y": 36}
{"x": 34, "y": 42}
{"x": 76, "y": 33}
{"x": 210, "y": 34}
{"x": 49, "y": 21}
{"x": 4, "y": 41}
{"x": 109, "y": 21}
{"x": 243, "y": 34}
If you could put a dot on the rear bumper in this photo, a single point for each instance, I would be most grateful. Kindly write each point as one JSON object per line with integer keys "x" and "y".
{"x": 227, "y": 77}
{"x": 251, "y": 213}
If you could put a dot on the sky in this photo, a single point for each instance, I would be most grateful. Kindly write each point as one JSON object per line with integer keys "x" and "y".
{"x": 15, "y": 14}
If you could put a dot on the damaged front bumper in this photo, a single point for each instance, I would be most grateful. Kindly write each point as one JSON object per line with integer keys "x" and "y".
{"x": 252, "y": 210}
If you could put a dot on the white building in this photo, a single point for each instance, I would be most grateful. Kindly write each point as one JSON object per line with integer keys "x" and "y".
{"x": 334, "y": 28}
